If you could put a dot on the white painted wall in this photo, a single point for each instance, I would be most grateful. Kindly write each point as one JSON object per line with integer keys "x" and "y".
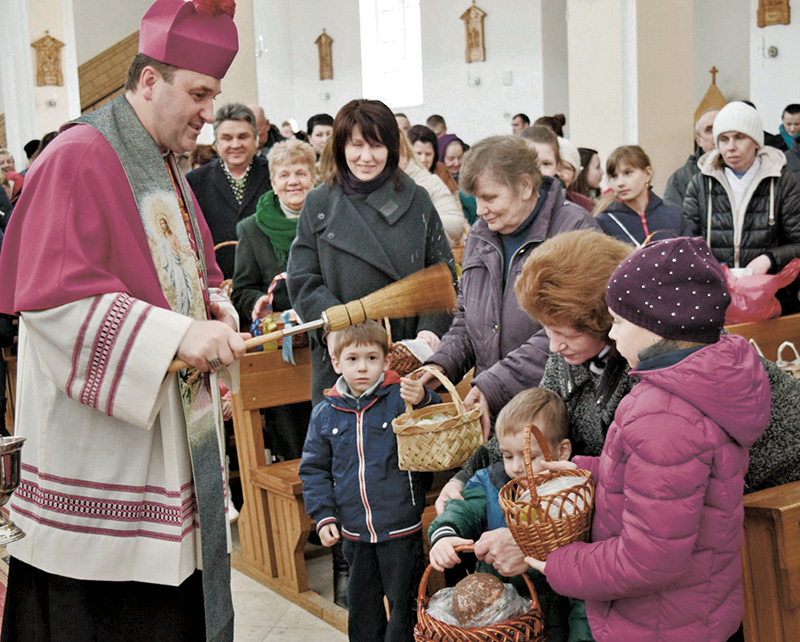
{"x": 100, "y": 24}
{"x": 288, "y": 73}
{"x": 594, "y": 35}
{"x": 774, "y": 82}
{"x": 726, "y": 47}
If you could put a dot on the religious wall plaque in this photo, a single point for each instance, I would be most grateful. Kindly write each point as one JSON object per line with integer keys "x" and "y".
{"x": 772, "y": 12}
{"x": 48, "y": 61}
{"x": 324, "y": 42}
{"x": 473, "y": 22}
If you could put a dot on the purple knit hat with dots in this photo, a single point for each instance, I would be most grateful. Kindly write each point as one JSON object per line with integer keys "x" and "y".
{"x": 674, "y": 288}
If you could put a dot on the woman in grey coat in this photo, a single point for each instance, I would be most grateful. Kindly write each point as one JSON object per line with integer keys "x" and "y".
{"x": 518, "y": 210}
{"x": 367, "y": 226}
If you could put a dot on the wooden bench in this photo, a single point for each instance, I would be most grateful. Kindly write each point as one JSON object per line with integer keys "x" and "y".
{"x": 770, "y": 334}
{"x": 771, "y": 554}
{"x": 771, "y": 561}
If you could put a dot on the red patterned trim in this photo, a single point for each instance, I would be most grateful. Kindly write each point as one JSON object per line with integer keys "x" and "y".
{"x": 104, "y": 508}
{"x": 103, "y": 345}
{"x": 123, "y": 360}
{"x": 79, "y": 345}
{"x": 111, "y": 532}
{"x": 122, "y": 488}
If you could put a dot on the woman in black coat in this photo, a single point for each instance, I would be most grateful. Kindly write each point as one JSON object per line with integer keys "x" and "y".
{"x": 366, "y": 227}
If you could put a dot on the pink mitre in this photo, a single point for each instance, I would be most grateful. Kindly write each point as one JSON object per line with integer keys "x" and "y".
{"x": 199, "y": 35}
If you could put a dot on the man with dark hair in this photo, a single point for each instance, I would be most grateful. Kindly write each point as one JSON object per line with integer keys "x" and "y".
{"x": 790, "y": 124}
{"x": 520, "y": 122}
{"x": 110, "y": 266}
{"x": 436, "y": 123}
{"x": 319, "y": 129}
{"x": 402, "y": 122}
{"x": 229, "y": 187}
{"x": 30, "y": 148}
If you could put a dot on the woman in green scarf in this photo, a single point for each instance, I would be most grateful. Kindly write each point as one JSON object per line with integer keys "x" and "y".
{"x": 266, "y": 236}
{"x": 264, "y": 241}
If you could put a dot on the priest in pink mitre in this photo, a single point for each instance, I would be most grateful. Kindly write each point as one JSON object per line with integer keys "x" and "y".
{"x": 110, "y": 266}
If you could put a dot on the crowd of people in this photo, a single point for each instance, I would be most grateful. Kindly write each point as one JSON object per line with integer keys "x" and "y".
{"x": 593, "y": 308}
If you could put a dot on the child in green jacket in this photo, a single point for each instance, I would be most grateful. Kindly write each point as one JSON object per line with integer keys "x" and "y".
{"x": 464, "y": 521}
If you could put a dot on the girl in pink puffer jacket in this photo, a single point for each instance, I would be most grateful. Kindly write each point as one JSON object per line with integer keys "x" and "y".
{"x": 665, "y": 558}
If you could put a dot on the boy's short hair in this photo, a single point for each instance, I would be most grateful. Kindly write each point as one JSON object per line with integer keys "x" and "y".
{"x": 360, "y": 334}
{"x": 528, "y": 406}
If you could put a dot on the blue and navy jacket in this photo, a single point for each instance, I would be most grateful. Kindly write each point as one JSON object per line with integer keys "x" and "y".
{"x": 349, "y": 466}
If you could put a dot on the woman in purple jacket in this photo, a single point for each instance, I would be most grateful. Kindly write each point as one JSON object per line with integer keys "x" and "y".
{"x": 664, "y": 562}
{"x": 518, "y": 210}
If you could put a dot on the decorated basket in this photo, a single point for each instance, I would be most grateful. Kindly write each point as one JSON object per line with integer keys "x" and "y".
{"x": 437, "y": 437}
{"x": 528, "y": 627}
{"x": 541, "y": 524}
{"x": 298, "y": 340}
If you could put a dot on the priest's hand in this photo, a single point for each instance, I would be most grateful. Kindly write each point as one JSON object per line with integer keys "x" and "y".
{"x": 219, "y": 313}
{"x": 209, "y": 345}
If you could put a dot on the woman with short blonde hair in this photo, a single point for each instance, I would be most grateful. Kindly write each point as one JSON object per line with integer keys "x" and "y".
{"x": 266, "y": 236}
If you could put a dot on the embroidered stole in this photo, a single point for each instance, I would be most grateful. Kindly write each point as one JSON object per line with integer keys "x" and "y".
{"x": 173, "y": 235}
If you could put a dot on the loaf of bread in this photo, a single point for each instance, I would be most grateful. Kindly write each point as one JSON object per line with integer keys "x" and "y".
{"x": 473, "y": 594}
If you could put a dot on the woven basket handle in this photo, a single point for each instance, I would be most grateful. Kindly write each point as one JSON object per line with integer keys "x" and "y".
{"x": 466, "y": 548}
{"x": 423, "y": 583}
{"x": 446, "y": 383}
{"x": 649, "y": 238}
{"x": 388, "y": 326}
{"x": 532, "y": 429}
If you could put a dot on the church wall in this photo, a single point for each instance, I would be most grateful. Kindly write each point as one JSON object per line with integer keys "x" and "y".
{"x": 774, "y": 82}
{"x": 514, "y": 55}
{"x": 594, "y": 32}
{"x": 721, "y": 37}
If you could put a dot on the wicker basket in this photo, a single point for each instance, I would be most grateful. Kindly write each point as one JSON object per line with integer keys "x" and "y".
{"x": 559, "y": 519}
{"x": 403, "y": 361}
{"x": 439, "y": 445}
{"x": 528, "y": 627}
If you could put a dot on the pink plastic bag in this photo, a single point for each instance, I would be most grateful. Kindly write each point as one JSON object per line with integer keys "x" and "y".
{"x": 753, "y": 297}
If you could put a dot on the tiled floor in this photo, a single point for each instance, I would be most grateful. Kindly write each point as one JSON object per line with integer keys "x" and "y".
{"x": 264, "y": 616}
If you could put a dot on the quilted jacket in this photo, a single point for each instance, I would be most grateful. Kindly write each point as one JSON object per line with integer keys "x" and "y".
{"x": 771, "y": 219}
{"x": 664, "y": 562}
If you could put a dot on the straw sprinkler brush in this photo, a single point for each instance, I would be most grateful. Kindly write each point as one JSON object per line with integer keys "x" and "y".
{"x": 426, "y": 291}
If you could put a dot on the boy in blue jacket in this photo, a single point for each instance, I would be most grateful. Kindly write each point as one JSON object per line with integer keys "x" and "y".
{"x": 352, "y": 485}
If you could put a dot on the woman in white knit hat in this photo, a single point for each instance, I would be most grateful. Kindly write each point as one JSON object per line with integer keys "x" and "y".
{"x": 744, "y": 202}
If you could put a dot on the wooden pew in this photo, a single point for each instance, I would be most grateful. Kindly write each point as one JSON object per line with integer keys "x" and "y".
{"x": 771, "y": 561}
{"x": 771, "y": 554}
{"x": 273, "y": 504}
{"x": 770, "y": 334}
